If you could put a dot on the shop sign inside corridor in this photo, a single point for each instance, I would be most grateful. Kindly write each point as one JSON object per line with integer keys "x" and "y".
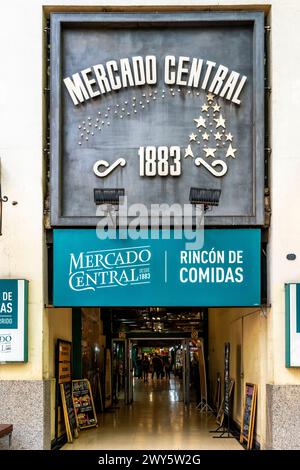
{"x": 157, "y": 271}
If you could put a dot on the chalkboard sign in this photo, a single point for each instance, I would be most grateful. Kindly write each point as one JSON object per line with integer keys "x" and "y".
{"x": 248, "y": 420}
{"x": 63, "y": 407}
{"x": 69, "y": 412}
{"x": 83, "y": 402}
{"x": 64, "y": 350}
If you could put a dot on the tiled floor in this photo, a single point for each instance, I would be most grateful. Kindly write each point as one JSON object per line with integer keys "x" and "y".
{"x": 156, "y": 420}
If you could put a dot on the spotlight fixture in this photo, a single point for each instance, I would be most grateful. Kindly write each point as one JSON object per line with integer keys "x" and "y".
{"x": 207, "y": 197}
{"x": 108, "y": 196}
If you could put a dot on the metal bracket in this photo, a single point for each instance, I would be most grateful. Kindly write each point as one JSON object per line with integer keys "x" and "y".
{"x": 264, "y": 311}
{"x": 2, "y": 199}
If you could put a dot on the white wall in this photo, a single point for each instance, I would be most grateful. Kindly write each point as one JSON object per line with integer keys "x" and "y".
{"x": 21, "y": 245}
{"x": 285, "y": 228}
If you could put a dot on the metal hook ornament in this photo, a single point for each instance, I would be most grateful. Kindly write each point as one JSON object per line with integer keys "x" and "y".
{"x": 199, "y": 161}
{"x": 109, "y": 168}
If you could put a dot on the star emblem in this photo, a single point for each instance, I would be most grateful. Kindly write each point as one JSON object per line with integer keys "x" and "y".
{"x": 204, "y": 107}
{"x": 229, "y": 136}
{"x": 216, "y": 107}
{"x": 200, "y": 121}
{"x": 192, "y": 136}
{"x": 205, "y": 136}
{"x": 220, "y": 121}
{"x": 209, "y": 152}
{"x": 189, "y": 152}
{"x": 210, "y": 96}
{"x": 218, "y": 136}
{"x": 230, "y": 151}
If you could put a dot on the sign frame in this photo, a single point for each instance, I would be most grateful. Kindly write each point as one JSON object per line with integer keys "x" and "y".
{"x": 193, "y": 19}
{"x": 70, "y": 420}
{"x": 248, "y": 416}
{"x": 163, "y": 284}
{"x": 21, "y": 331}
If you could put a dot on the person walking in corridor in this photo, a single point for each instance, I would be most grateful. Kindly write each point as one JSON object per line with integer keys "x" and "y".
{"x": 168, "y": 368}
{"x": 139, "y": 368}
{"x": 146, "y": 367}
{"x": 157, "y": 366}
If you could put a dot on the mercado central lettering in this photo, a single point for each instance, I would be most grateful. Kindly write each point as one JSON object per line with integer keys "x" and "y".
{"x": 196, "y": 73}
{"x": 105, "y": 268}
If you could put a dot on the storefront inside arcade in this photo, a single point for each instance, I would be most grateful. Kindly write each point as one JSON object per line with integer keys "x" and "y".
{"x": 157, "y": 274}
{"x": 144, "y": 366}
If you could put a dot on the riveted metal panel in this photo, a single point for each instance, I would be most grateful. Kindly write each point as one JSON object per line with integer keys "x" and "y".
{"x": 165, "y": 114}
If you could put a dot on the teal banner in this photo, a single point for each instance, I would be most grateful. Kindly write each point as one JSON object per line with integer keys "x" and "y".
{"x": 155, "y": 270}
{"x": 8, "y": 304}
{"x": 13, "y": 320}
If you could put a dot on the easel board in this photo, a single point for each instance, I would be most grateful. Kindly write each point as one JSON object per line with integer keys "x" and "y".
{"x": 100, "y": 392}
{"x": 83, "y": 402}
{"x": 65, "y": 422}
{"x": 108, "y": 380}
{"x": 217, "y": 395}
{"x": 68, "y": 410}
{"x": 248, "y": 419}
{"x": 220, "y": 415}
{"x": 227, "y": 380}
{"x": 202, "y": 372}
{"x": 64, "y": 350}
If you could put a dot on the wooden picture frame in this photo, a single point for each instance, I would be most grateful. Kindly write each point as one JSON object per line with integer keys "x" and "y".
{"x": 248, "y": 416}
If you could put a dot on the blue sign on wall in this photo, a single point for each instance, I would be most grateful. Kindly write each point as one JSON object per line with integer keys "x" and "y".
{"x": 13, "y": 320}
{"x": 157, "y": 271}
{"x": 8, "y": 304}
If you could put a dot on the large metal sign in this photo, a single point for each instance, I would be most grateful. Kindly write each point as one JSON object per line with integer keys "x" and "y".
{"x": 13, "y": 320}
{"x": 156, "y": 104}
{"x": 149, "y": 271}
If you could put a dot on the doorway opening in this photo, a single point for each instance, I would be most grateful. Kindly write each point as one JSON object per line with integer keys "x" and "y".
{"x": 162, "y": 340}
{"x": 106, "y": 343}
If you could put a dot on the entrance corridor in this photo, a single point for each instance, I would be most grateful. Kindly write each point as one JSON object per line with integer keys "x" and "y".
{"x": 156, "y": 420}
